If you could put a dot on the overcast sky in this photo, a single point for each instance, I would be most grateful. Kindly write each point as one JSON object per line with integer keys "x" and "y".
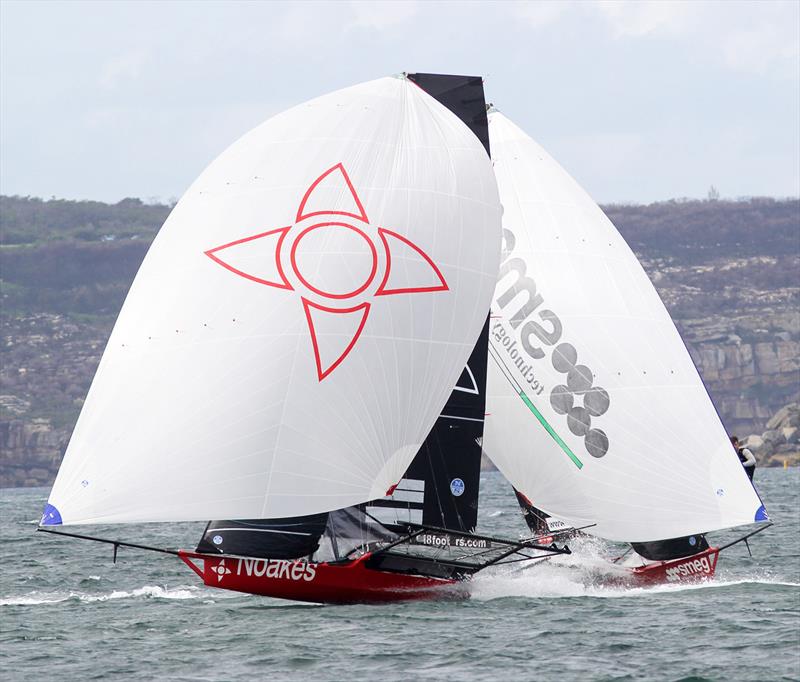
{"x": 640, "y": 101}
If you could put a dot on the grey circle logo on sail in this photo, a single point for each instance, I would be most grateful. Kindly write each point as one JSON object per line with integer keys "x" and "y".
{"x": 594, "y": 399}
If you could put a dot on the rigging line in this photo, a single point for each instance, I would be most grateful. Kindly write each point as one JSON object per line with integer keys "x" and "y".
{"x": 515, "y": 550}
{"x": 622, "y": 556}
{"x": 529, "y": 404}
{"x": 263, "y": 530}
{"x": 439, "y": 490}
{"x": 380, "y": 523}
{"x": 466, "y": 419}
{"x": 534, "y": 511}
{"x": 525, "y": 557}
{"x": 559, "y": 532}
{"x": 208, "y": 526}
{"x": 537, "y": 559}
{"x": 289, "y": 522}
{"x": 116, "y": 543}
{"x": 522, "y": 545}
{"x": 402, "y": 539}
{"x": 432, "y": 472}
{"x": 448, "y": 473}
{"x": 744, "y": 537}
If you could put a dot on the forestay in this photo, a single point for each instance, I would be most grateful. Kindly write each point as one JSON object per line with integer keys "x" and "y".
{"x": 597, "y": 413}
{"x": 299, "y": 321}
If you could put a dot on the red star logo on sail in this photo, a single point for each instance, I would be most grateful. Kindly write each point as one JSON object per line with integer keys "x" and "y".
{"x": 338, "y": 287}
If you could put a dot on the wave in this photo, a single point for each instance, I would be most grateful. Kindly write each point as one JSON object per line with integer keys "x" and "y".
{"x": 565, "y": 584}
{"x": 588, "y": 573}
{"x": 146, "y": 591}
{"x": 32, "y": 599}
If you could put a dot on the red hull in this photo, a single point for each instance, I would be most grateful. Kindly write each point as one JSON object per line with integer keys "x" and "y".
{"x": 341, "y": 583}
{"x": 691, "y": 569}
{"x": 354, "y": 582}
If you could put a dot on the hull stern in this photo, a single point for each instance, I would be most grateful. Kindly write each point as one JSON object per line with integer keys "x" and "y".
{"x": 691, "y": 569}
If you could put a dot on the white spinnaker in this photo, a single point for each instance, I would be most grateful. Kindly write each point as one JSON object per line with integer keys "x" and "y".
{"x": 214, "y": 399}
{"x": 615, "y": 427}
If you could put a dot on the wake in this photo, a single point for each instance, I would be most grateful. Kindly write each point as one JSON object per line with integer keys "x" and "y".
{"x": 588, "y": 572}
{"x": 146, "y": 591}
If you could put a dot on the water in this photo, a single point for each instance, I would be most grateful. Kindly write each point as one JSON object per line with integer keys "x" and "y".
{"x": 67, "y": 612}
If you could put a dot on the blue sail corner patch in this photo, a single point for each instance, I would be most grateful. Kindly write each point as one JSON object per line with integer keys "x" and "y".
{"x": 761, "y": 514}
{"x": 51, "y": 516}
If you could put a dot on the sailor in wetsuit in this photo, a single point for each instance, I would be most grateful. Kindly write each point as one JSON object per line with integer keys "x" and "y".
{"x": 745, "y": 457}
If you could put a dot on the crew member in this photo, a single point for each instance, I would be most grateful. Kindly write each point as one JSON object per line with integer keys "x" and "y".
{"x": 745, "y": 457}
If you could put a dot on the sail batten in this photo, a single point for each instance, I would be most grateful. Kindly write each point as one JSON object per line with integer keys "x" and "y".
{"x": 598, "y": 414}
{"x": 278, "y": 354}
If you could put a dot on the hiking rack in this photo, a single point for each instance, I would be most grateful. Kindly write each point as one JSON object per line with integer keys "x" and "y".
{"x": 454, "y": 554}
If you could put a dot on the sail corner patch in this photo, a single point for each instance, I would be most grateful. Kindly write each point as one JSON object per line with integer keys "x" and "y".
{"x": 51, "y": 516}
{"x": 761, "y": 514}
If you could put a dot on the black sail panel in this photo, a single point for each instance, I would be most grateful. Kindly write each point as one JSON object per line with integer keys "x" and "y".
{"x": 463, "y": 95}
{"x": 675, "y": 548}
{"x": 535, "y": 519}
{"x": 289, "y": 538}
{"x": 441, "y": 486}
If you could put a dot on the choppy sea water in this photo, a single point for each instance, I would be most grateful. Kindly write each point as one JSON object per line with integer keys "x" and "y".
{"x": 68, "y": 613}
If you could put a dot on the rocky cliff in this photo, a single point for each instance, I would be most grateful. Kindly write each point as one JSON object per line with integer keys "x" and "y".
{"x": 779, "y": 445}
{"x": 49, "y": 361}
{"x": 749, "y": 380}
{"x": 31, "y": 452}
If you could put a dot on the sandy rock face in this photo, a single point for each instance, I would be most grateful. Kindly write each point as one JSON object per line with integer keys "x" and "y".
{"x": 748, "y": 381}
{"x": 781, "y": 441}
{"x": 754, "y": 443}
{"x": 788, "y": 416}
{"x": 30, "y": 452}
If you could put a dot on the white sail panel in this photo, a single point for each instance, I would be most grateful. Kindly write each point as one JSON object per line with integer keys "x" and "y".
{"x": 596, "y": 411}
{"x": 262, "y": 366}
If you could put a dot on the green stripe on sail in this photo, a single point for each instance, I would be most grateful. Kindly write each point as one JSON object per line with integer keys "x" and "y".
{"x": 550, "y": 430}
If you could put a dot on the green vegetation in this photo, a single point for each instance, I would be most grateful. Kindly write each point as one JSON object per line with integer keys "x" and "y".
{"x": 72, "y": 256}
{"x": 27, "y": 220}
{"x": 79, "y": 257}
{"x": 695, "y": 231}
